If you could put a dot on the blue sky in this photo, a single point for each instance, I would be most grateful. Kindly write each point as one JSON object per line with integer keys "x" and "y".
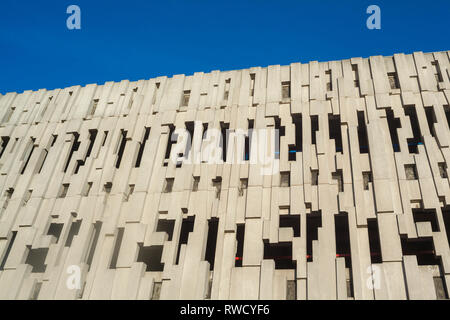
{"x": 144, "y": 39}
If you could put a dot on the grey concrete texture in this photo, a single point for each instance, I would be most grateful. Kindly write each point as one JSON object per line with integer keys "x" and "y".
{"x": 358, "y": 206}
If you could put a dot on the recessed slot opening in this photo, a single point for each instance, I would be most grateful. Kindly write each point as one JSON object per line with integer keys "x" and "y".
{"x": 187, "y": 226}
{"x": 291, "y": 221}
{"x": 410, "y": 111}
{"x": 281, "y": 253}
{"x": 240, "y": 234}
{"x": 374, "y": 241}
{"x": 313, "y": 223}
{"x": 210, "y": 252}
{"x": 297, "y": 121}
{"x": 166, "y": 226}
{"x": 36, "y": 258}
{"x": 142, "y": 147}
{"x": 314, "y": 128}
{"x": 151, "y": 256}
{"x": 334, "y": 125}
{"x": 393, "y": 124}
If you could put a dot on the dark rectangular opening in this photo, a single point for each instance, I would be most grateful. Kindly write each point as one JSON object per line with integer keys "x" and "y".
{"x": 80, "y": 163}
{"x": 447, "y": 113}
{"x": 446, "y": 218}
{"x": 55, "y": 230}
{"x": 393, "y": 80}
{"x": 329, "y": 80}
{"x": 410, "y": 111}
{"x": 431, "y": 119}
{"x": 248, "y": 139}
{"x": 281, "y": 131}
{"x": 123, "y": 143}
{"x": 165, "y": 225}
{"x": 297, "y": 120}
{"x": 5, "y": 141}
{"x": 151, "y": 256}
{"x": 73, "y": 231}
{"x": 210, "y": 253}
{"x": 393, "y": 124}
{"x": 442, "y": 170}
{"x": 422, "y": 248}
{"x": 187, "y": 226}
{"x": 224, "y": 127}
{"x": 105, "y": 136}
{"x": 291, "y": 221}
{"x": 190, "y": 130}
{"x": 75, "y": 146}
{"x": 343, "y": 238}
{"x": 334, "y": 124}
{"x": 36, "y": 258}
{"x": 92, "y": 136}
{"x": 281, "y": 253}
{"x": 142, "y": 147}
{"x": 374, "y": 241}
{"x": 240, "y": 234}
{"x": 313, "y": 223}
{"x": 362, "y": 133}
{"x": 426, "y": 215}
{"x": 314, "y": 128}
{"x": 172, "y": 138}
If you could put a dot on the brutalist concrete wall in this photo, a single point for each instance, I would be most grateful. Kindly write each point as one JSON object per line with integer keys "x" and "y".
{"x": 98, "y": 202}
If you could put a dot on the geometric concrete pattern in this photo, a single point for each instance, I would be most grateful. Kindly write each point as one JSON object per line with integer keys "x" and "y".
{"x": 356, "y": 204}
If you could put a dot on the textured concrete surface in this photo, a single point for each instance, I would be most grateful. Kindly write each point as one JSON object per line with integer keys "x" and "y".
{"x": 357, "y": 207}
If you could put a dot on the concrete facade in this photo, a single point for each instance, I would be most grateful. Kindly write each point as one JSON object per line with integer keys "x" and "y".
{"x": 358, "y": 206}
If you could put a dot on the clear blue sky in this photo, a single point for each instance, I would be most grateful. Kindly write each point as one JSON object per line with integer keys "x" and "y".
{"x": 135, "y": 40}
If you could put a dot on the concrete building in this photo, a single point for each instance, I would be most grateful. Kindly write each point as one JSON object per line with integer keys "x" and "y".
{"x": 98, "y": 202}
